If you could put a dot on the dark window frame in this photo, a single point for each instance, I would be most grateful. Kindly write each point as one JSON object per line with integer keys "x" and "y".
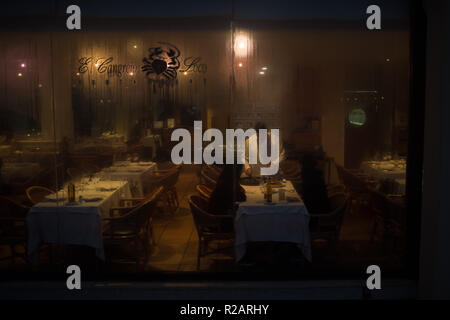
{"x": 418, "y": 31}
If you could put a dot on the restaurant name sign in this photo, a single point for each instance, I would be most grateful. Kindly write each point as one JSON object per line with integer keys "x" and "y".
{"x": 162, "y": 64}
{"x": 105, "y": 66}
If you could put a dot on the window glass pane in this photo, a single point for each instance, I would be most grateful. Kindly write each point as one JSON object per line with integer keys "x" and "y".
{"x": 92, "y": 124}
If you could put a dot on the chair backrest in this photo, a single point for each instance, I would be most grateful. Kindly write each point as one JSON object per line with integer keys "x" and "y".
{"x": 338, "y": 204}
{"x": 337, "y": 201}
{"x": 202, "y": 219}
{"x": 166, "y": 178}
{"x": 379, "y": 203}
{"x": 325, "y": 166}
{"x": 204, "y": 191}
{"x": 291, "y": 169}
{"x": 212, "y": 171}
{"x": 12, "y": 222}
{"x": 172, "y": 178}
{"x": 37, "y": 193}
{"x": 145, "y": 209}
{"x": 139, "y": 215}
{"x": 208, "y": 179}
{"x": 351, "y": 181}
{"x": 9, "y": 207}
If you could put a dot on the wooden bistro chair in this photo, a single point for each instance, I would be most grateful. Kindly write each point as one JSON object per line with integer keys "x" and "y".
{"x": 36, "y": 194}
{"x": 209, "y": 226}
{"x": 356, "y": 186}
{"x": 291, "y": 169}
{"x": 333, "y": 189}
{"x": 168, "y": 179}
{"x": 19, "y": 187}
{"x": 13, "y": 228}
{"x": 133, "y": 227}
{"x": 389, "y": 217}
{"x": 208, "y": 178}
{"x": 327, "y": 226}
{"x": 204, "y": 191}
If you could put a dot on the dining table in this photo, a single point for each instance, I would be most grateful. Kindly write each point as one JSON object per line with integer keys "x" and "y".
{"x": 386, "y": 169}
{"x": 19, "y": 171}
{"x": 153, "y": 142}
{"x": 393, "y": 170}
{"x": 285, "y": 219}
{"x": 5, "y": 150}
{"x": 136, "y": 173}
{"x": 58, "y": 221}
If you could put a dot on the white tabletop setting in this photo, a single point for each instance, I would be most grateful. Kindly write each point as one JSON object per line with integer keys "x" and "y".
{"x": 280, "y": 221}
{"x": 104, "y": 142}
{"x": 133, "y": 172}
{"x": 18, "y": 171}
{"x": 5, "y": 150}
{"x": 54, "y": 220}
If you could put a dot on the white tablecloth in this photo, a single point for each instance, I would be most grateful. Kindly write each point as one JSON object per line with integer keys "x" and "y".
{"x": 394, "y": 169}
{"x": 279, "y": 222}
{"x": 99, "y": 145}
{"x": 134, "y": 173}
{"x": 80, "y": 223}
{"x": 5, "y": 151}
{"x": 19, "y": 171}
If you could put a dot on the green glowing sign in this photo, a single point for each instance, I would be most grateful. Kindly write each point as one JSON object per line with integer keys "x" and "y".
{"x": 357, "y": 117}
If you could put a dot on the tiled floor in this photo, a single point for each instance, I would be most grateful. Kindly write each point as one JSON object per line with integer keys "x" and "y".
{"x": 176, "y": 236}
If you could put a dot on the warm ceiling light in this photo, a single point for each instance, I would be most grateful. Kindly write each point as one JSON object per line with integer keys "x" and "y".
{"x": 135, "y": 46}
{"x": 261, "y": 72}
{"x": 185, "y": 73}
{"x": 23, "y": 65}
{"x": 131, "y": 74}
{"x": 388, "y": 60}
{"x": 264, "y": 68}
{"x": 40, "y": 85}
{"x": 78, "y": 74}
{"x": 241, "y": 65}
{"x": 241, "y": 45}
{"x": 19, "y": 74}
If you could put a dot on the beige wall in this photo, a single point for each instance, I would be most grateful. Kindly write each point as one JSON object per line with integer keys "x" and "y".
{"x": 308, "y": 71}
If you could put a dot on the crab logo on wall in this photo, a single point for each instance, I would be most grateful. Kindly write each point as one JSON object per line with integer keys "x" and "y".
{"x": 162, "y": 62}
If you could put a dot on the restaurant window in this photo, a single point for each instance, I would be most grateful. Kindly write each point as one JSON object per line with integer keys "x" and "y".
{"x": 87, "y": 127}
